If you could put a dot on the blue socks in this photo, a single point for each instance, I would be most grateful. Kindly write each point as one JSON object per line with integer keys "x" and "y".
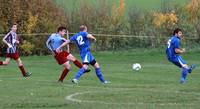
{"x": 184, "y": 74}
{"x": 79, "y": 73}
{"x": 191, "y": 68}
{"x": 99, "y": 74}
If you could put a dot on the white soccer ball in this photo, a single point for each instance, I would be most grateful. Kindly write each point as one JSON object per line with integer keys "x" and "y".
{"x": 136, "y": 66}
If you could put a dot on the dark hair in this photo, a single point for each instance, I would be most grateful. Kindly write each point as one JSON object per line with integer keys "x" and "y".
{"x": 82, "y": 27}
{"x": 61, "y": 28}
{"x": 176, "y": 31}
{"x": 11, "y": 25}
{"x": 14, "y": 24}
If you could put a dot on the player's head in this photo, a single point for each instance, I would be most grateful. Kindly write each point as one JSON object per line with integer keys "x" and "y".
{"x": 178, "y": 32}
{"x": 62, "y": 30}
{"x": 14, "y": 27}
{"x": 83, "y": 28}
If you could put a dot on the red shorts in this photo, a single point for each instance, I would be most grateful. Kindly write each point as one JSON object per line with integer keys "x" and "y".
{"x": 14, "y": 56}
{"x": 61, "y": 57}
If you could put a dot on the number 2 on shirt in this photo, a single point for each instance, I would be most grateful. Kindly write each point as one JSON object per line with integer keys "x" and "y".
{"x": 80, "y": 40}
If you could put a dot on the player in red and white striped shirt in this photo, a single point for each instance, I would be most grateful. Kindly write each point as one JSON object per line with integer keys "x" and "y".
{"x": 11, "y": 40}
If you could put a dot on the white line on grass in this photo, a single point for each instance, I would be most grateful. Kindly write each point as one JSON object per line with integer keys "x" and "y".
{"x": 114, "y": 89}
{"x": 72, "y": 98}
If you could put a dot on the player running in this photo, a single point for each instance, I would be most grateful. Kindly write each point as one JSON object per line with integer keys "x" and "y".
{"x": 11, "y": 40}
{"x": 83, "y": 43}
{"x": 173, "y": 52}
{"x": 55, "y": 43}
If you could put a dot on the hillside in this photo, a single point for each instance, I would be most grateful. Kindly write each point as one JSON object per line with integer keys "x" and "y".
{"x": 141, "y": 4}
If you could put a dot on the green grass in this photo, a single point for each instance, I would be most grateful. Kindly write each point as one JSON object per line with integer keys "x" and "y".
{"x": 156, "y": 86}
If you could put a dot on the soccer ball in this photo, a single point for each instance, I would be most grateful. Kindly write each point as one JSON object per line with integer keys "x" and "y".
{"x": 136, "y": 66}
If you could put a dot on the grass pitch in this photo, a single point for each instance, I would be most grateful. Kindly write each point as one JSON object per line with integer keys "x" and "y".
{"x": 155, "y": 86}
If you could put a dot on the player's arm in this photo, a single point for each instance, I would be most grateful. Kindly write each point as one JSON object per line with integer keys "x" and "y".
{"x": 90, "y": 36}
{"x": 179, "y": 51}
{"x": 48, "y": 44}
{"x": 4, "y": 40}
{"x": 17, "y": 40}
{"x": 63, "y": 44}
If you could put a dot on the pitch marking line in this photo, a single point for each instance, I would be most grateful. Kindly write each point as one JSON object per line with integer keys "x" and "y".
{"x": 73, "y": 99}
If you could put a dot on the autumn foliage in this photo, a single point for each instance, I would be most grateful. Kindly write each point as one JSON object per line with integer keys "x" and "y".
{"x": 44, "y": 16}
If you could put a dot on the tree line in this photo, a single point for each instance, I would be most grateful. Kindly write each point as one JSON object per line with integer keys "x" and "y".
{"x": 44, "y": 16}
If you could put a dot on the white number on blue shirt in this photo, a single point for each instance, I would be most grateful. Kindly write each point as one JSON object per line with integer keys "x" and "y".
{"x": 169, "y": 43}
{"x": 80, "y": 40}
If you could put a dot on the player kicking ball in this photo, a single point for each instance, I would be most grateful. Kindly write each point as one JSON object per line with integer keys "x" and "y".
{"x": 11, "y": 40}
{"x": 55, "y": 44}
{"x": 173, "y": 52}
{"x": 82, "y": 41}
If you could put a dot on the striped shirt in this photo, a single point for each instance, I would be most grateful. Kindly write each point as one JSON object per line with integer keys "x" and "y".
{"x": 11, "y": 39}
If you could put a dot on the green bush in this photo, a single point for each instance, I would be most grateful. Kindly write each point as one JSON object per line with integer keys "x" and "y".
{"x": 26, "y": 48}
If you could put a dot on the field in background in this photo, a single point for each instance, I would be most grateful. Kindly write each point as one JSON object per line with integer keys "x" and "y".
{"x": 141, "y": 4}
{"x": 155, "y": 86}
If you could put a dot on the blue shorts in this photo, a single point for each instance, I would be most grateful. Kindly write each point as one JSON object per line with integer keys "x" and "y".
{"x": 178, "y": 61}
{"x": 87, "y": 58}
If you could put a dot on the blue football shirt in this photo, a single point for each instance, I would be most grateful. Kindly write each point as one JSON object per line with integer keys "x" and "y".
{"x": 82, "y": 42}
{"x": 172, "y": 44}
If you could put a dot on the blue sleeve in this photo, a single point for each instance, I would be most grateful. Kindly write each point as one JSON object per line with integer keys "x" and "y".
{"x": 48, "y": 43}
{"x": 73, "y": 38}
{"x": 176, "y": 43}
{"x": 84, "y": 34}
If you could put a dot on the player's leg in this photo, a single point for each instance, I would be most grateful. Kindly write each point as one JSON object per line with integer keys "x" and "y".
{"x": 6, "y": 62}
{"x": 184, "y": 73}
{"x": 21, "y": 67}
{"x": 184, "y": 65}
{"x": 76, "y": 62}
{"x": 185, "y": 69}
{"x": 97, "y": 68}
{"x": 98, "y": 71}
{"x": 67, "y": 67}
{"x": 80, "y": 73}
{"x": 83, "y": 69}
{"x": 191, "y": 68}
